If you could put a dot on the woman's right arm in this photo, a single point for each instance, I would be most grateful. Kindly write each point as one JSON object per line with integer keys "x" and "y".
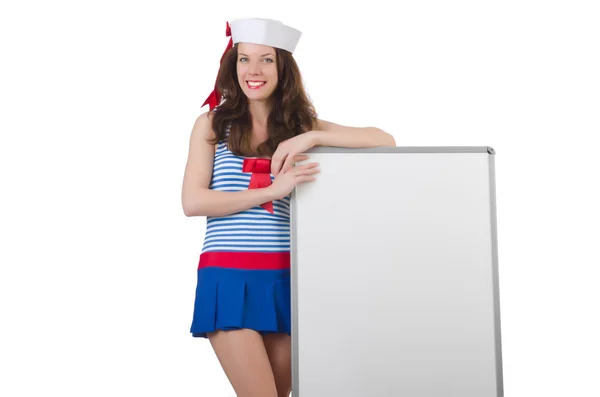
{"x": 196, "y": 197}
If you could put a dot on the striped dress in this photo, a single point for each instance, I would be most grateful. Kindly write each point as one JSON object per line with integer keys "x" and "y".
{"x": 243, "y": 276}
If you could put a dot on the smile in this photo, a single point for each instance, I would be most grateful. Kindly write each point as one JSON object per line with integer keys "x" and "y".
{"x": 253, "y": 85}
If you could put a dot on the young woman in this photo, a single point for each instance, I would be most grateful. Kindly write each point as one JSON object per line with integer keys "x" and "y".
{"x": 239, "y": 174}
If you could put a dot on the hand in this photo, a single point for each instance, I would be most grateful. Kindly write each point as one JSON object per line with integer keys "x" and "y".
{"x": 285, "y": 182}
{"x": 284, "y": 156}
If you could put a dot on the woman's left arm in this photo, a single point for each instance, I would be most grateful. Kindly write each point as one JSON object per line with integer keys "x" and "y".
{"x": 331, "y": 134}
{"x": 327, "y": 134}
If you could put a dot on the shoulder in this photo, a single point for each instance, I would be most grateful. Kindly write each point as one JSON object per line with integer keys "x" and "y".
{"x": 203, "y": 126}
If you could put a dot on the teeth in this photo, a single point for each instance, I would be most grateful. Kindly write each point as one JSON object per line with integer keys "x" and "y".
{"x": 252, "y": 84}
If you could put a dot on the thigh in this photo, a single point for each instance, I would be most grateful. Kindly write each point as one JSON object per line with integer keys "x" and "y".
{"x": 244, "y": 359}
{"x": 279, "y": 350}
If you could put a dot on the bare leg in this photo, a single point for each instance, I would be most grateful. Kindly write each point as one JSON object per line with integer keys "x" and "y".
{"x": 279, "y": 350}
{"x": 244, "y": 359}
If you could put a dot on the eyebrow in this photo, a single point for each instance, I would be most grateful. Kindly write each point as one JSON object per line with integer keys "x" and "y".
{"x": 263, "y": 55}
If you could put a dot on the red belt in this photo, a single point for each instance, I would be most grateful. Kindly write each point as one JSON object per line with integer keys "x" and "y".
{"x": 246, "y": 260}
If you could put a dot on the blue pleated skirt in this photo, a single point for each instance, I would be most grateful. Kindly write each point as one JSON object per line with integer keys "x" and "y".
{"x": 229, "y": 298}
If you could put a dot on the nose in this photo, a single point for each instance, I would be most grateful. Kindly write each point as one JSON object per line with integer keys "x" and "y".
{"x": 253, "y": 68}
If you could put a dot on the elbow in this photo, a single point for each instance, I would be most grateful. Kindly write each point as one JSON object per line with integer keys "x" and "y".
{"x": 189, "y": 208}
{"x": 392, "y": 140}
{"x": 187, "y": 211}
{"x": 193, "y": 202}
{"x": 191, "y": 212}
{"x": 196, "y": 210}
{"x": 387, "y": 138}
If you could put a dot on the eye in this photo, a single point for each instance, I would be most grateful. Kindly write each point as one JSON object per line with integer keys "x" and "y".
{"x": 268, "y": 60}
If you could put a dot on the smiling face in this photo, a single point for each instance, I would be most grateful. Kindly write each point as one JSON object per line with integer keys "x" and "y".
{"x": 257, "y": 70}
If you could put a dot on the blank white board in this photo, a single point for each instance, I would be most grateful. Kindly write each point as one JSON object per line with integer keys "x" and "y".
{"x": 395, "y": 274}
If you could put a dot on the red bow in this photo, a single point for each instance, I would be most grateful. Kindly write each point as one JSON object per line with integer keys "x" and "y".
{"x": 261, "y": 176}
{"x": 215, "y": 97}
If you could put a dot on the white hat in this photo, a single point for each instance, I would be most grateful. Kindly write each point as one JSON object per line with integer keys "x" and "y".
{"x": 257, "y": 31}
{"x": 266, "y": 32}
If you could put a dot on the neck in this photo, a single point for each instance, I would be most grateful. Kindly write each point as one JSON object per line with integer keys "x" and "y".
{"x": 260, "y": 111}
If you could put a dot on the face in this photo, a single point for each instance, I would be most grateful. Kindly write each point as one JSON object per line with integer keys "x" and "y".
{"x": 257, "y": 70}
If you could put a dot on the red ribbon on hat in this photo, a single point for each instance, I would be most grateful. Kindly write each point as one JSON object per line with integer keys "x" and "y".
{"x": 215, "y": 96}
{"x": 261, "y": 176}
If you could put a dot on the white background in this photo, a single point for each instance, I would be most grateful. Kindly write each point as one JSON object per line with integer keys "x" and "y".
{"x": 98, "y": 262}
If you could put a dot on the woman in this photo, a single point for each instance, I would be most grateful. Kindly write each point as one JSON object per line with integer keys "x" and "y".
{"x": 239, "y": 174}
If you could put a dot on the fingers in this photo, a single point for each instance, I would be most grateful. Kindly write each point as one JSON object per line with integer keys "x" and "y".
{"x": 306, "y": 171}
{"x": 307, "y": 166}
{"x": 288, "y": 164}
{"x": 284, "y": 164}
{"x": 301, "y": 167}
{"x": 306, "y": 178}
{"x": 276, "y": 165}
{"x": 300, "y": 157}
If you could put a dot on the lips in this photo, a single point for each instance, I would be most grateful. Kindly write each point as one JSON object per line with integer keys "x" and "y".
{"x": 255, "y": 84}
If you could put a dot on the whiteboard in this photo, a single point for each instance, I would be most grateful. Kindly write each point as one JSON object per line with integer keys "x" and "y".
{"x": 395, "y": 274}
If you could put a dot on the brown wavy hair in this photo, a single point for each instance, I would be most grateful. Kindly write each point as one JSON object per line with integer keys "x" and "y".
{"x": 292, "y": 112}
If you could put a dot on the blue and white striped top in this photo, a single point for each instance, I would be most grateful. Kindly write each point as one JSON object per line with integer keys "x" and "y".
{"x": 252, "y": 230}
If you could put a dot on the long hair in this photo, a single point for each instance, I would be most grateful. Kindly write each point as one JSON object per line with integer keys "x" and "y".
{"x": 292, "y": 112}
